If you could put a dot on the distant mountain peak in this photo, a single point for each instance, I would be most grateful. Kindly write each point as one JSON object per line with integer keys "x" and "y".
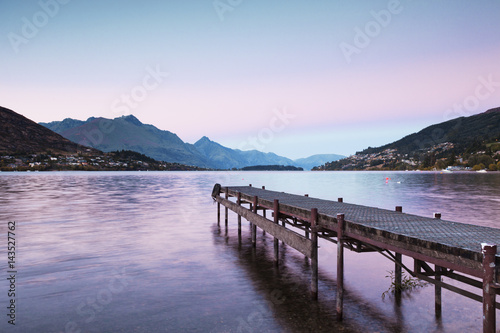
{"x": 204, "y": 139}
{"x": 131, "y": 119}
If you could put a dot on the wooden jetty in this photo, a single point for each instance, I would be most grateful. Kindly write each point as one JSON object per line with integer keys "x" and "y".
{"x": 463, "y": 252}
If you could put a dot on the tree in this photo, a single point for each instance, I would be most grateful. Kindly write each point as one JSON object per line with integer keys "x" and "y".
{"x": 478, "y": 167}
{"x": 451, "y": 160}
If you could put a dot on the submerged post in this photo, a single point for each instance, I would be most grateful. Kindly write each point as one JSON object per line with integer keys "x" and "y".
{"x": 226, "y": 209}
{"x": 218, "y": 213}
{"x": 489, "y": 320}
{"x": 276, "y": 208}
{"x": 314, "y": 254}
{"x": 264, "y": 215}
{"x": 238, "y": 201}
{"x": 254, "y": 227}
{"x": 340, "y": 267}
{"x": 398, "y": 272}
{"x": 437, "y": 291}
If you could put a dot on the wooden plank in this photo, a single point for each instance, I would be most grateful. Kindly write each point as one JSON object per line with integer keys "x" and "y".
{"x": 291, "y": 238}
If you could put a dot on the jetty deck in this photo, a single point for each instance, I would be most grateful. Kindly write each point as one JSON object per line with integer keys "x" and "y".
{"x": 464, "y": 252}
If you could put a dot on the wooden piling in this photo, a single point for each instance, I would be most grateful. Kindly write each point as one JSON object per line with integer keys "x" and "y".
{"x": 276, "y": 208}
{"x": 225, "y": 208}
{"x": 437, "y": 291}
{"x": 254, "y": 227}
{"x": 340, "y": 267}
{"x": 263, "y": 213}
{"x": 398, "y": 272}
{"x": 238, "y": 201}
{"x": 218, "y": 213}
{"x": 314, "y": 254}
{"x": 489, "y": 320}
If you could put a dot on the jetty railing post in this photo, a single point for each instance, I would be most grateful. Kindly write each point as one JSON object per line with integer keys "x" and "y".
{"x": 226, "y": 209}
{"x": 489, "y": 320}
{"x": 238, "y": 201}
{"x": 340, "y": 267}
{"x": 314, "y": 254}
{"x": 276, "y": 208}
{"x": 254, "y": 227}
{"x": 398, "y": 272}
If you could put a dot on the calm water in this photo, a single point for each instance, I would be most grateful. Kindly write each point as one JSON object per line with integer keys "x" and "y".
{"x": 141, "y": 252}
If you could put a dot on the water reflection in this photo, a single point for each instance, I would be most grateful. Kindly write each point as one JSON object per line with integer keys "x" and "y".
{"x": 140, "y": 252}
{"x": 286, "y": 291}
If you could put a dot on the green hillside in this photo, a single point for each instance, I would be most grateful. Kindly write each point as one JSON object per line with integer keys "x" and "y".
{"x": 461, "y": 143}
{"x": 466, "y": 133}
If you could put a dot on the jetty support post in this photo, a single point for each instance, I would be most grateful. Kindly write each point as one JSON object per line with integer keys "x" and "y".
{"x": 218, "y": 213}
{"x": 226, "y": 209}
{"x": 276, "y": 209}
{"x": 314, "y": 253}
{"x": 489, "y": 320}
{"x": 438, "y": 270}
{"x": 263, "y": 213}
{"x": 340, "y": 267}
{"x": 254, "y": 227}
{"x": 238, "y": 201}
{"x": 398, "y": 272}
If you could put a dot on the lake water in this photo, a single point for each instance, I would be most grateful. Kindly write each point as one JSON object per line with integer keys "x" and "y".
{"x": 142, "y": 252}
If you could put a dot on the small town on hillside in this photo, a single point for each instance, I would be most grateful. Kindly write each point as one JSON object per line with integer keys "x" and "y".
{"x": 87, "y": 161}
{"x": 435, "y": 158}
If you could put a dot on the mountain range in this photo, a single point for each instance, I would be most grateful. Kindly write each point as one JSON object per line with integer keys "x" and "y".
{"x": 464, "y": 138}
{"x": 129, "y": 133}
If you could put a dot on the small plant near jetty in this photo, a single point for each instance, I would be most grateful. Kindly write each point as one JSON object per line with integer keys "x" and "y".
{"x": 408, "y": 283}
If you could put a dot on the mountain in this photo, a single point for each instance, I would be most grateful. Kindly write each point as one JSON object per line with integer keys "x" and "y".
{"x": 464, "y": 142}
{"x": 227, "y": 158}
{"x": 61, "y": 126}
{"x": 310, "y": 162}
{"x": 462, "y": 132}
{"x": 22, "y": 135}
{"x": 128, "y": 133}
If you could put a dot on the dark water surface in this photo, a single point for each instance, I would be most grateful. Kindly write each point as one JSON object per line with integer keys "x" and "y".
{"x": 142, "y": 252}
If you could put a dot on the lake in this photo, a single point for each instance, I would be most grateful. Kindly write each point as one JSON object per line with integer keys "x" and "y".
{"x": 142, "y": 252}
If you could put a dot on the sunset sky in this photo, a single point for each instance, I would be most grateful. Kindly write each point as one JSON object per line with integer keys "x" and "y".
{"x": 293, "y": 77}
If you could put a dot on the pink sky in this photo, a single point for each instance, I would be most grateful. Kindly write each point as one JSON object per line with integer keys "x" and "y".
{"x": 230, "y": 79}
